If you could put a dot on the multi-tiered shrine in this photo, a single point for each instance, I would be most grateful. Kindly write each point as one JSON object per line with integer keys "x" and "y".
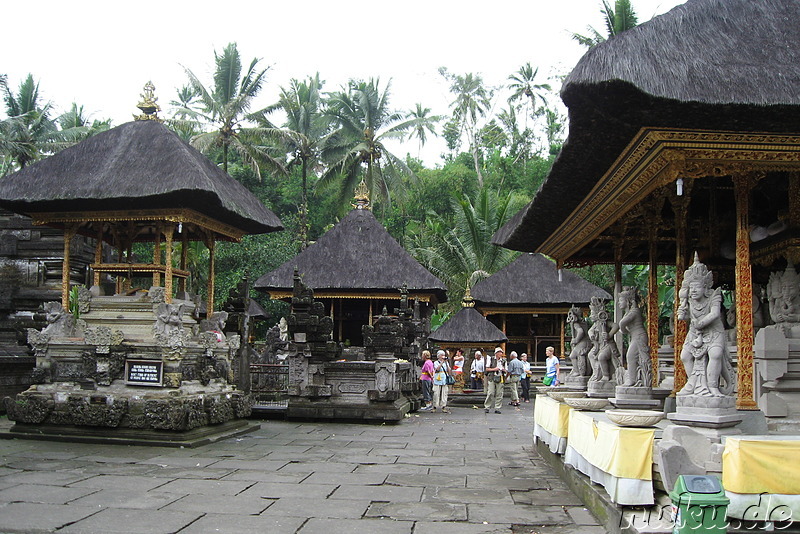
{"x": 684, "y": 150}
{"x": 134, "y": 356}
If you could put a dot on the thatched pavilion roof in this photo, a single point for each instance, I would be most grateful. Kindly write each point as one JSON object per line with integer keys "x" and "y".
{"x": 357, "y": 255}
{"x": 532, "y": 280}
{"x": 468, "y": 326}
{"x": 728, "y": 65}
{"x": 137, "y": 165}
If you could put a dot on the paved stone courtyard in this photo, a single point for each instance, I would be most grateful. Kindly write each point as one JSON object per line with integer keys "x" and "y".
{"x": 465, "y": 472}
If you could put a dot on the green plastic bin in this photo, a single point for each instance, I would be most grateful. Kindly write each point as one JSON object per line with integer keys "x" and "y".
{"x": 699, "y": 504}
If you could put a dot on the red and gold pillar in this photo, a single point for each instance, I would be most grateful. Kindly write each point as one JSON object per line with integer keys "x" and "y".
{"x": 742, "y": 185}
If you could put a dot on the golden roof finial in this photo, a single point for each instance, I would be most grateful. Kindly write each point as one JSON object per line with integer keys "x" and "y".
{"x": 468, "y": 301}
{"x": 148, "y": 105}
{"x": 361, "y": 196}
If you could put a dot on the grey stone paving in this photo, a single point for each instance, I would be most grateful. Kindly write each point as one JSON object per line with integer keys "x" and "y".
{"x": 466, "y": 472}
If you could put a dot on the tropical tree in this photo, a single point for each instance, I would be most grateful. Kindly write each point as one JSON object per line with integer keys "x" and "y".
{"x": 523, "y": 85}
{"x": 363, "y": 122}
{"x": 619, "y": 19}
{"x": 472, "y": 101}
{"x": 460, "y": 252}
{"x": 303, "y": 131}
{"x": 425, "y": 123}
{"x": 28, "y": 134}
{"x": 76, "y": 118}
{"x": 227, "y": 107}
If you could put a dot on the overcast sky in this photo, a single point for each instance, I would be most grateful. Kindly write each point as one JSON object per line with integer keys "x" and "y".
{"x": 101, "y": 53}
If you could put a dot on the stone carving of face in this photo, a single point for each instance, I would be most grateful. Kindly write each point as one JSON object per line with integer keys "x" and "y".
{"x": 789, "y": 291}
{"x": 53, "y": 313}
{"x": 696, "y": 290}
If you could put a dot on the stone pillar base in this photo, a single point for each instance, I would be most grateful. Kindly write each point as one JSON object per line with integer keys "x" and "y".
{"x": 578, "y": 383}
{"x": 706, "y": 412}
{"x": 634, "y": 398}
{"x": 601, "y": 389}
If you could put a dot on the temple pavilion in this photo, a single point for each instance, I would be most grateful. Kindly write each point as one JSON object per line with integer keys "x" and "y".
{"x": 528, "y": 300}
{"x": 468, "y": 329}
{"x": 684, "y": 137}
{"x": 138, "y": 182}
{"x": 356, "y": 269}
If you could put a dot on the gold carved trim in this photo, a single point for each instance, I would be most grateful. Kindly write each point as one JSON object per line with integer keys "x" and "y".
{"x": 657, "y": 157}
{"x": 516, "y": 310}
{"x": 422, "y": 297}
{"x": 185, "y": 216}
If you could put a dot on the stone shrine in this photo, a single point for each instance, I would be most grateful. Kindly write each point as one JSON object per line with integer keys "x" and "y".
{"x": 134, "y": 368}
{"x": 322, "y": 385}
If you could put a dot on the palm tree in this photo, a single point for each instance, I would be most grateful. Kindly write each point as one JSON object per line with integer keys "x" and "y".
{"x": 426, "y": 123}
{"x": 303, "y": 131}
{"x": 227, "y": 107}
{"x": 460, "y": 252}
{"x": 77, "y": 118}
{"x": 617, "y": 20}
{"x": 28, "y": 133}
{"x": 363, "y": 121}
{"x": 472, "y": 100}
{"x": 523, "y": 84}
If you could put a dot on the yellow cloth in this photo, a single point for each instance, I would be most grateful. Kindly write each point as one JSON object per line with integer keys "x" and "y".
{"x": 551, "y": 415}
{"x": 758, "y": 466}
{"x": 623, "y": 452}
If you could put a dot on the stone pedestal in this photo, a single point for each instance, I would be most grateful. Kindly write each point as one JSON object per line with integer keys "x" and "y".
{"x": 706, "y": 412}
{"x": 601, "y": 389}
{"x": 577, "y": 383}
{"x": 634, "y": 398}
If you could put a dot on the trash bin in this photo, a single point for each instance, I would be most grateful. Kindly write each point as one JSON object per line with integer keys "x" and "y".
{"x": 699, "y": 504}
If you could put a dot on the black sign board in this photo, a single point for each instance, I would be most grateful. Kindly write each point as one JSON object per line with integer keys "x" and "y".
{"x": 144, "y": 372}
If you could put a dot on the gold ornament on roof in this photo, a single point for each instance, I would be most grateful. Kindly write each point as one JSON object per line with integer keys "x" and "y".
{"x": 148, "y": 105}
{"x": 361, "y": 196}
{"x": 468, "y": 301}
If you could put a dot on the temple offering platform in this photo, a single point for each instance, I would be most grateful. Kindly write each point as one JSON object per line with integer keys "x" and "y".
{"x": 761, "y": 477}
{"x": 551, "y": 423}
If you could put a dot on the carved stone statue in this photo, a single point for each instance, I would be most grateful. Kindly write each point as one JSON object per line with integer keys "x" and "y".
{"x": 168, "y": 328}
{"x": 283, "y": 327}
{"x": 60, "y": 323}
{"x": 705, "y": 353}
{"x": 604, "y": 355}
{"x": 783, "y": 293}
{"x": 637, "y": 358}
{"x": 580, "y": 344}
{"x": 215, "y": 325}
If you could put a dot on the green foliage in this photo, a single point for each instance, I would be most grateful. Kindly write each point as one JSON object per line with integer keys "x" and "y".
{"x": 253, "y": 256}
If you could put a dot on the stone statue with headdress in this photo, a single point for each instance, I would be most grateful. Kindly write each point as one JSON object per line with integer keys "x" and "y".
{"x": 637, "y": 358}
{"x": 705, "y": 352}
{"x": 604, "y": 355}
{"x": 783, "y": 293}
{"x": 580, "y": 345}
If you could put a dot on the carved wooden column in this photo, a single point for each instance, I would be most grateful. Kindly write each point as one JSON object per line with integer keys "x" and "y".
{"x": 69, "y": 232}
{"x": 652, "y": 303}
{"x": 168, "y": 229}
{"x": 742, "y": 185}
{"x": 157, "y": 254}
{"x": 211, "y": 247}
{"x": 563, "y": 321}
{"x": 794, "y": 199}
{"x": 184, "y": 253}
{"x": 98, "y": 254}
{"x": 618, "y": 337}
{"x": 680, "y": 206}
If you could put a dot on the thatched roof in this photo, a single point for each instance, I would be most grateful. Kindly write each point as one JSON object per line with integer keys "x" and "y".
{"x": 730, "y": 65}
{"x": 468, "y": 326}
{"x": 531, "y": 280}
{"x": 356, "y": 255}
{"x": 138, "y": 165}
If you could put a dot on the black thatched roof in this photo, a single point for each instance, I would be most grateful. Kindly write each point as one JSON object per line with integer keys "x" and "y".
{"x": 357, "y": 254}
{"x": 138, "y": 165}
{"x": 468, "y": 326}
{"x": 532, "y": 279}
{"x": 731, "y": 65}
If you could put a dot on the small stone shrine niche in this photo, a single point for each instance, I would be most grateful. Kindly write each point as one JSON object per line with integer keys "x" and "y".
{"x": 324, "y": 386}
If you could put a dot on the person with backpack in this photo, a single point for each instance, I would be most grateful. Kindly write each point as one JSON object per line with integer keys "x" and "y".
{"x": 495, "y": 372}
